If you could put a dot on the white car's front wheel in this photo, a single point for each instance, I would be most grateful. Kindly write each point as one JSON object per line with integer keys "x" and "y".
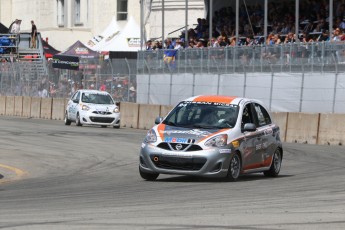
{"x": 66, "y": 120}
{"x": 77, "y": 120}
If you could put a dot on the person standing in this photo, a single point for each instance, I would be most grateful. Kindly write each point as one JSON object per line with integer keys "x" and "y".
{"x": 33, "y": 35}
{"x": 15, "y": 29}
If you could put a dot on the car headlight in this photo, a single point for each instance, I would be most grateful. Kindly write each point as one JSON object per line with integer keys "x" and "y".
{"x": 85, "y": 107}
{"x": 151, "y": 136}
{"x": 217, "y": 141}
{"x": 116, "y": 110}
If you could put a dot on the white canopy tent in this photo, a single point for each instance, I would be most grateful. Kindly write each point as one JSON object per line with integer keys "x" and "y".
{"x": 107, "y": 35}
{"x": 126, "y": 40}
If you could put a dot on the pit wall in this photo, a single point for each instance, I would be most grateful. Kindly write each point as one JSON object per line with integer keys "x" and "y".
{"x": 308, "y": 128}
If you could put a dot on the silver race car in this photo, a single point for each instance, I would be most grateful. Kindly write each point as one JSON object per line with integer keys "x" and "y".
{"x": 212, "y": 136}
{"x": 92, "y": 107}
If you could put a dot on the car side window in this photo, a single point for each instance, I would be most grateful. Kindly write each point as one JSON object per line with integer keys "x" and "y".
{"x": 76, "y": 96}
{"x": 247, "y": 115}
{"x": 262, "y": 115}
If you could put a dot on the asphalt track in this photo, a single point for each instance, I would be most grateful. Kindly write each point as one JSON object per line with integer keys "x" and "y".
{"x": 66, "y": 177}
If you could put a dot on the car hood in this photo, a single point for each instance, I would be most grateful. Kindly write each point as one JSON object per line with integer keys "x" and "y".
{"x": 175, "y": 134}
{"x": 101, "y": 108}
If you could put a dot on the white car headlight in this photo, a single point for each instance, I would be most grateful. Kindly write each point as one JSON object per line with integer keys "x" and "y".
{"x": 85, "y": 107}
{"x": 217, "y": 141}
{"x": 116, "y": 110}
{"x": 151, "y": 136}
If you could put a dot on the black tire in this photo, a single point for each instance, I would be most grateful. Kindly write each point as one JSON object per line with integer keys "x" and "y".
{"x": 234, "y": 167}
{"x": 116, "y": 127}
{"x": 77, "y": 120}
{"x": 66, "y": 120}
{"x": 103, "y": 126}
{"x": 276, "y": 164}
{"x": 148, "y": 176}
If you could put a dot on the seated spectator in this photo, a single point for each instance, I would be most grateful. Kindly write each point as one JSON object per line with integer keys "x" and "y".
{"x": 276, "y": 39}
{"x": 336, "y": 37}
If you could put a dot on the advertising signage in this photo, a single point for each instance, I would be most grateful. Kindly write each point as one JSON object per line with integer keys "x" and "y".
{"x": 65, "y": 62}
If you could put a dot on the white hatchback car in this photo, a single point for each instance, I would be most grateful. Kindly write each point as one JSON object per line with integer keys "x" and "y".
{"x": 92, "y": 107}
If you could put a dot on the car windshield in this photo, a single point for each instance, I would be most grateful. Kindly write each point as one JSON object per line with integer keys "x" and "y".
{"x": 95, "y": 98}
{"x": 205, "y": 115}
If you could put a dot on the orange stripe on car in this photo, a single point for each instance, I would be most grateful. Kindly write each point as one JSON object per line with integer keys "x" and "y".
{"x": 214, "y": 98}
{"x": 160, "y": 129}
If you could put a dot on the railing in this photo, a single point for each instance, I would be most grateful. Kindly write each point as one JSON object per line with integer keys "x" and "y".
{"x": 297, "y": 57}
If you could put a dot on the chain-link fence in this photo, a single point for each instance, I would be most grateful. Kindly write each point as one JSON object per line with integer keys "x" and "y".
{"x": 116, "y": 76}
{"x": 119, "y": 76}
{"x": 296, "y": 57}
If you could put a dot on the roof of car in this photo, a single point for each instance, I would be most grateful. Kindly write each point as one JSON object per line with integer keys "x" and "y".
{"x": 216, "y": 99}
{"x": 93, "y": 91}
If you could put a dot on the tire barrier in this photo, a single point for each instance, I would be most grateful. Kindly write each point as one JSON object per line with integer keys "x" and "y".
{"x": 308, "y": 128}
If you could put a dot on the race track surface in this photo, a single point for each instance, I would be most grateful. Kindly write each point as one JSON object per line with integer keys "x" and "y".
{"x": 66, "y": 177}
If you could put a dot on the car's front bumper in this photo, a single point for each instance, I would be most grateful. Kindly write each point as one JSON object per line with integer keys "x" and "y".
{"x": 209, "y": 163}
{"x": 89, "y": 118}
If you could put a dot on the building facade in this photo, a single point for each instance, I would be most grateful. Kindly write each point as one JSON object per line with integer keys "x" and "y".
{"x": 63, "y": 22}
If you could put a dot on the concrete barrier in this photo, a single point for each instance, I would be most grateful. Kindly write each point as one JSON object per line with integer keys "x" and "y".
{"x": 26, "y": 107}
{"x": 46, "y": 108}
{"x": 35, "y": 107}
{"x": 10, "y": 105}
{"x": 165, "y": 109}
{"x": 2, "y": 105}
{"x": 295, "y": 127}
{"x": 281, "y": 120}
{"x": 331, "y": 129}
{"x": 18, "y": 106}
{"x": 129, "y": 114}
{"x": 147, "y": 115}
{"x": 302, "y": 128}
{"x": 58, "y": 108}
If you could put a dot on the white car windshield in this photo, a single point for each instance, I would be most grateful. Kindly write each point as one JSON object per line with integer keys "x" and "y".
{"x": 94, "y": 98}
{"x": 206, "y": 115}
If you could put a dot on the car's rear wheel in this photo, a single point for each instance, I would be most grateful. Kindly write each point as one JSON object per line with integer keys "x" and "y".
{"x": 66, "y": 120}
{"x": 276, "y": 164}
{"x": 148, "y": 176}
{"x": 77, "y": 120}
{"x": 234, "y": 167}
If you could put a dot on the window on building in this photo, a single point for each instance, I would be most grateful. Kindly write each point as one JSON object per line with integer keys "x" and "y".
{"x": 77, "y": 11}
{"x": 60, "y": 12}
{"x": 122, "y": 6}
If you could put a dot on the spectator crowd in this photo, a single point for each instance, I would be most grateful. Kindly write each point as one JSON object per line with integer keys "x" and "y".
{"x": 313, "y": 18}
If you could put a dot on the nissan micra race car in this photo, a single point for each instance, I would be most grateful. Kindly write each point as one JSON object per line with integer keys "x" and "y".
{"x": 92, "y": 107}
{"x": 213, "y": 136}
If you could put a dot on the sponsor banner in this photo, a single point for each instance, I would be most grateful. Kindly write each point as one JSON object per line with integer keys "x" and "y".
{"x": 65, "y": 62}
{"x": 133, "y": 42}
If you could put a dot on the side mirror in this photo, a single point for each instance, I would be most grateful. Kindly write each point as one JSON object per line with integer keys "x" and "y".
{"x": 75, "y": 101}
{"x": 158, "y": 120}
{"x": 249, "y": 127}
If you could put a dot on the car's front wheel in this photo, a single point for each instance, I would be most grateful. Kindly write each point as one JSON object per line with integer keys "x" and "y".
{"x": 66, "y": 120}
{"x": 148, "y": 176}
{"x": 77, "y": 120}
{"x": 234, "y": 167}
{"x": 276, "y": 164}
